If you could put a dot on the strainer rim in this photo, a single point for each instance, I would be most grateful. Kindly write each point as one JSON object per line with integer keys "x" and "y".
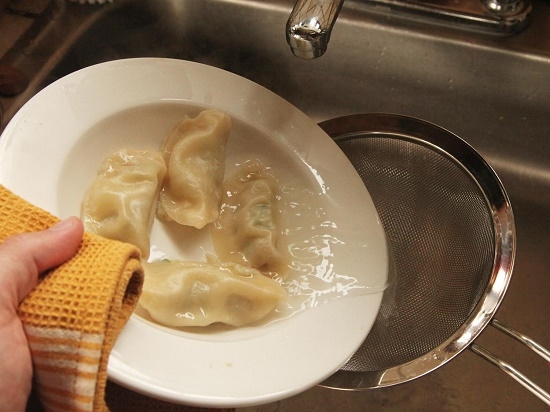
{"x": 463, "y": 154}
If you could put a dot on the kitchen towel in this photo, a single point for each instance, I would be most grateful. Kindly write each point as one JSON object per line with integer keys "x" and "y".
{"x": 74, "y": 315}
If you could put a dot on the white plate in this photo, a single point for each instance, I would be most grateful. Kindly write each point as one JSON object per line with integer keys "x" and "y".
{"x": 49, "y": 154}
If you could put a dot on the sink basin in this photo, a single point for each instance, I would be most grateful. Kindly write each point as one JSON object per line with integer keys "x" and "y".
{"x": 493, "y": 91}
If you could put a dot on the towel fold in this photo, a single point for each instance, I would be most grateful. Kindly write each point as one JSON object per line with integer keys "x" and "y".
{"x": 75, "y": 313}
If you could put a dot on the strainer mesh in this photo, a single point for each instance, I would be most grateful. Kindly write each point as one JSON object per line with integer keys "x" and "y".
{"x": 441, "y": 237}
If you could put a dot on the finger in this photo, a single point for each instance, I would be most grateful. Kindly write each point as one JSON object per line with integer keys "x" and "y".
{"x": 23, "y": 257}
{"x": 57, "y": 244}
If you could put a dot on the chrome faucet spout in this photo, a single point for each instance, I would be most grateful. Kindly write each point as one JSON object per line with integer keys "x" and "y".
{"x": 309, "y": 26}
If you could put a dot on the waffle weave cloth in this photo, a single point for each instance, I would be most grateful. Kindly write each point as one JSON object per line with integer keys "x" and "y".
{"x": 75, "y": 313}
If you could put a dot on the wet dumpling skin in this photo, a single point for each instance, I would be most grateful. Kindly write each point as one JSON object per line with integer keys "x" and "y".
{"x": 194, "y": 152}
{"x": 247, "y": 229}
{"x": 181, "y": 294}
{"x": 121, "y": 202}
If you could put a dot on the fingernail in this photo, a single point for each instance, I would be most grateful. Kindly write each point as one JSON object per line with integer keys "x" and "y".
{"x": 63, "y": 225}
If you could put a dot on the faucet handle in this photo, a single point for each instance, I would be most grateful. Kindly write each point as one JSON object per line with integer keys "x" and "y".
{"x": 309, "y": 26}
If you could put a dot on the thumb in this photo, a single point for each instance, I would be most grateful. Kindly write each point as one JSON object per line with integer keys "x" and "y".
{"x": 25, "y": 256}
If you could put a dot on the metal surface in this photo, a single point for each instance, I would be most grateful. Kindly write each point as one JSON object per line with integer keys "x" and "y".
{"x": 451, "y": 232}
{"x": 498, "y": 17}
{"x": 513, "y": 373}
{"x": 509, "y": 369}
{"x": 491, "y": 91}
{"x": 309, "y": 26}
{"x": 450, "y": 229}
{"x": 522, "y": 338}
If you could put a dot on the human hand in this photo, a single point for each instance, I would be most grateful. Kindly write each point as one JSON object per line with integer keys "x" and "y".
{"x": 22, "y": 259}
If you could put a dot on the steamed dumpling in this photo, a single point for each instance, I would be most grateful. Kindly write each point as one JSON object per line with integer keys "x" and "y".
{"x": 247, "y": 229}
{"x": 179, "y": 294}
{"x": 120, "y": 204}
{"x": 194, "y": 152}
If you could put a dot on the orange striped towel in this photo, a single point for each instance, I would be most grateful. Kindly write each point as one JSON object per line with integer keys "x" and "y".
{"x": 74, "y": 315}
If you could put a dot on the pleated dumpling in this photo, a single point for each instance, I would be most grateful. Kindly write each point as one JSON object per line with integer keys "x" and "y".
{"x": 180, "y": 294}
{"x": 194, "y": 152}
{"x": 247, "y": 230}
{"x": 121, "y": 202}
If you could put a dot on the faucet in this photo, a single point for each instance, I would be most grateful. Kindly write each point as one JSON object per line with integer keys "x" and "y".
{"x": 310, "y": 23}
{"x": 309, "y": 26}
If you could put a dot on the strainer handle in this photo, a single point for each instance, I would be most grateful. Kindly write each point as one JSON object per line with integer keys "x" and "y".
{"x": 520, "y": 337}
{"x": 510, "y": 370}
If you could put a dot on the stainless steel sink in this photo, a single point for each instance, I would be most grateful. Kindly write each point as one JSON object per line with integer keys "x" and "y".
{"x": 493, "y": 91}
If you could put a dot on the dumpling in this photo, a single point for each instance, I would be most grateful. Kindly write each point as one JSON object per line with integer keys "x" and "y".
{"x": 121, "y": 201}
{"x": 247, "y": 230}
{"x": 194, "y": 152}
{"x": 179, "y": 294}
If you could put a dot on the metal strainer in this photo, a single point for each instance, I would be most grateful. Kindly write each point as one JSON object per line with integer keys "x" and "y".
{"x": 451, "y": 234}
